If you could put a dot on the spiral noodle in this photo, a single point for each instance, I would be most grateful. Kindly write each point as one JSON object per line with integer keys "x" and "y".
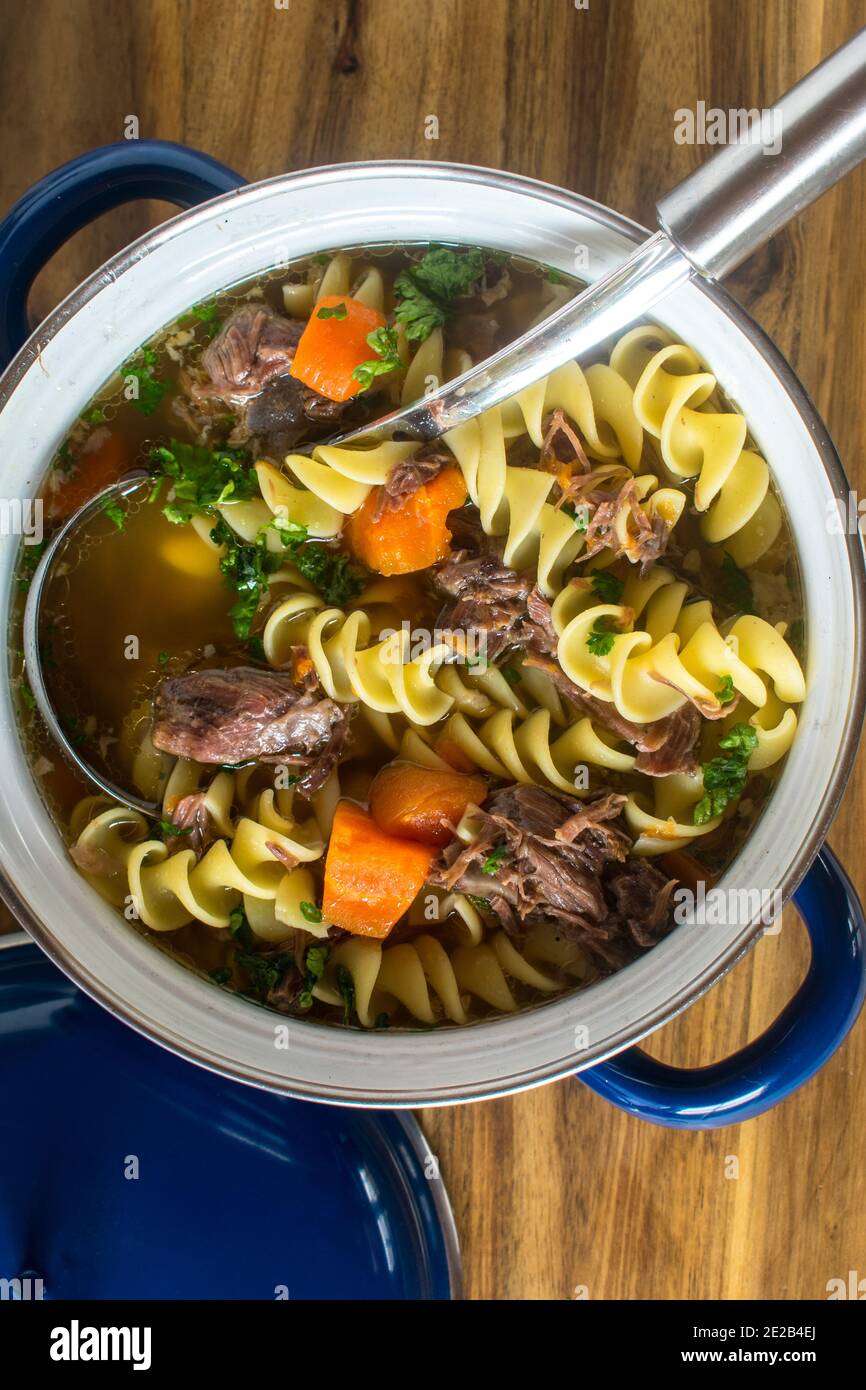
{"x": 250, "y": 864}
{"x": 675, "y": 400}
{"x": 432, "y": 983}
{"x": 680, "y": 654}
{"x": 386, "y": 677}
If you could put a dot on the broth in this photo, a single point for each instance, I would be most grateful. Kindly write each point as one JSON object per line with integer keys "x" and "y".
{"x": 143, "y": 600}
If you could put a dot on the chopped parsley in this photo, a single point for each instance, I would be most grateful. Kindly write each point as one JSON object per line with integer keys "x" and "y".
{"x": 245, "y": 568}
{"x": 512, "y": 675}
{"x": 736, "y": 587}
{"x": 163, "y": 658}
{"x": 726, "y": 692}
{"x": 606, "y": 587}
{"x": 240, "y": 927}
{"x": 579, "y": 516}
{"x": 149, "y": 390}
{"x": 203, "y": 479}
{"x": 30, "y": 557}
{"x": 480, "y": 904}
{"x": 339, "y": 311}
{"x": 310, "y": 912}
{"x": 115, "y": 514}
{"x": 601, "y": 637}
{"x": 94, "y": 416}
{"x": 337, "y": 579}
{"x": 28, "y": 699}
{"x": 725, "y": 776}
{"x": 424, "y": 292}
{"x": 221, "y": 975}
{"x": 493, "y": 862}
{"x": 346, "y": 986}
{"x": 264, "y": 972}
{"x": 315, "y": 968}
{"x": 256, "y": 647}
{"x": 383, "y": 341}
{"x": 168, "y": 828}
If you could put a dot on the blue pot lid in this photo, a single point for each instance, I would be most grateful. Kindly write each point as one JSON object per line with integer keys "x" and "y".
{"x": 126, "y": 1172}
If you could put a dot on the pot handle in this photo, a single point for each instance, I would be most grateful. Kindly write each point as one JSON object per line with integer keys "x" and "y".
{"x": 73, "y": 195}
{"x": 794, "y": 1047}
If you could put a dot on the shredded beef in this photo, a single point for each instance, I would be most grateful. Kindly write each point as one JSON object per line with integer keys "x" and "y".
{"x": 664, "y": 746}
{"x": 647, "y": 539}
{"x": 562, "y": 445}
{"x": 506, "y": 608}
{"x": 244, "y": 713}
{"x": 561, "y": 860}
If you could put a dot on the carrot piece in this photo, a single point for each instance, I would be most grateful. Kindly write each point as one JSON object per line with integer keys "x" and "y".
{"x": 370, "y": 878}
{"x": 331, "y": 348}
{"x": 422, "y": 803}
{"x": 413, "y": 536}
{"x": 93, "y": 471}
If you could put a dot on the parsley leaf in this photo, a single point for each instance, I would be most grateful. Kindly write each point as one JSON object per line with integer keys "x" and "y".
{"x": 315, "y": 968}
{"x": 383, "y": 341}
{"x": 332, "y": 572}
{"x": 736, "y": 587}
{"x": 726, "y": 692}
{"x": 725, "y": 776}
{"x": 240, "y": 927}
{"x": 264, "y": 972}
{"x": 494, "y": 860}
{"x": 606, "y": 587}
{"x": 203, "y": 479}
{"x": 601, "y": 638}
{"x": 115, "y": 514}
{"x": 425, "y": 291}
{"x": 346, "y": 986}
{"x": 339, "y": 311}
{"x": 480, "y": 904}
{"x": 310, "y": 912}
{"x": 149, "y": 390}
{"x": 30, "y": 557}
{"x": 169, "y": 828}
{"x": 580, "y": 516}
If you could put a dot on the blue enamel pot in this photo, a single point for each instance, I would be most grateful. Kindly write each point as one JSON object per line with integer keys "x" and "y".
{"x": 230, "y": 232}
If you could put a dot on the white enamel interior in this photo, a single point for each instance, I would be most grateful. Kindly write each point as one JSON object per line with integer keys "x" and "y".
{"x": 188, "y": 260}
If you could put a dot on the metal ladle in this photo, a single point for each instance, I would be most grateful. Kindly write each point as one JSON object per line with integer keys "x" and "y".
{"x": 709, "y": 224}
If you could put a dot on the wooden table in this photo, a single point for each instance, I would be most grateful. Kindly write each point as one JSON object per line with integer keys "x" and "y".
{"x": 553, "y": 1189}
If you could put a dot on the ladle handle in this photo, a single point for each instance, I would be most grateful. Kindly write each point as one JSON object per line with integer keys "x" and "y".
{"x": 786, "y": 158}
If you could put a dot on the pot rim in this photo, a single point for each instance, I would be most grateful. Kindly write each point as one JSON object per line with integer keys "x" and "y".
{"x": 808, "y": 416}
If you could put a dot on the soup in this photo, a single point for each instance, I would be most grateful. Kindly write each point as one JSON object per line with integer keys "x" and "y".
{"x": 432, "y": 732}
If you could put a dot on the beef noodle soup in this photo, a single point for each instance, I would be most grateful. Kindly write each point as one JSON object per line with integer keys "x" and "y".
{"x": 435, "y": 731}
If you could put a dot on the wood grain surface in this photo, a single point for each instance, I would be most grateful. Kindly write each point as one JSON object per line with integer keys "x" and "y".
{"x": 554, "y": 1191}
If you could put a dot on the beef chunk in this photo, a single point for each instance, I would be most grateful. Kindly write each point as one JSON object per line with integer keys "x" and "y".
{"x": 665, "y": 746}
{"x": 543, "y": 856}
{"x": 503, "y": 607}
{"x": 277, "y": 415}
{"x": 254, "y": 345}
{"x": 244, "y": 713}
